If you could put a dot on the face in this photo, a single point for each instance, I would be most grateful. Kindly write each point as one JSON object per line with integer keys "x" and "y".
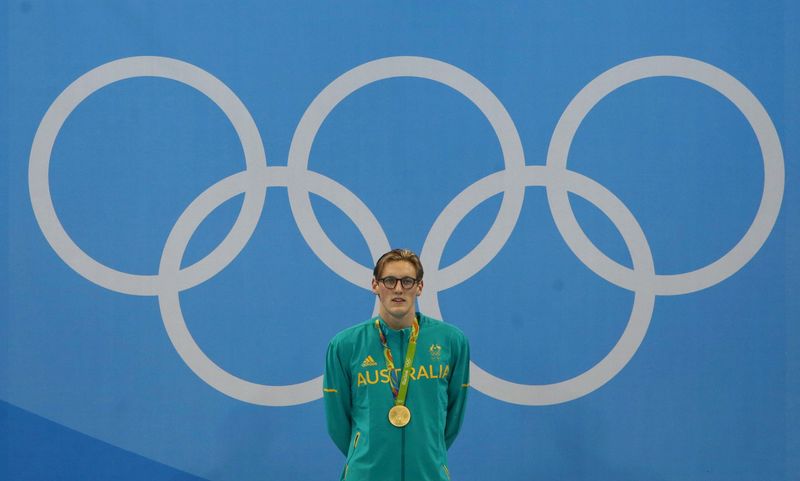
{"x": 397, "y": 303}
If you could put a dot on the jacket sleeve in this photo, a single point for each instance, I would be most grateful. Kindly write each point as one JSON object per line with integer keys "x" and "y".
{"x": 457, "y": 391}
{"x": 336, "y": 393}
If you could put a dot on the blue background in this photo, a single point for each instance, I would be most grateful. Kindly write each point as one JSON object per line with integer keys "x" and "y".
{"x": 91, "y": 386}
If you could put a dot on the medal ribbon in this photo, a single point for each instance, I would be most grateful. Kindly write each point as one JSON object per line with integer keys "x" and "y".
{"x": 399, "y": 394}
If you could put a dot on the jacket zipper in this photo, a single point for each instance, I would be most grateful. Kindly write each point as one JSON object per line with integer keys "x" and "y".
{"x": 403, "y": 429}
{"x": 355, "y": 445}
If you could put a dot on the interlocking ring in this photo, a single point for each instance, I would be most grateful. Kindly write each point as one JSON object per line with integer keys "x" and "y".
{"x": 642, "y": 279}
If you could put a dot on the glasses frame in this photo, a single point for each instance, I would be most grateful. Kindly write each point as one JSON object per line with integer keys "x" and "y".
{"x": 401, "y": 280}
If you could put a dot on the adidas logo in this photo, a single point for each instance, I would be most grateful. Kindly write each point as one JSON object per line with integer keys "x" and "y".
{"x": 369, "y": 362}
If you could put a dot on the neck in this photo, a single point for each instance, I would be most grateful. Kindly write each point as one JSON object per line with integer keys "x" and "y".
{"x": 398, "y": 323}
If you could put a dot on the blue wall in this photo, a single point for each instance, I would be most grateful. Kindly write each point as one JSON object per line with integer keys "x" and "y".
{"x": 604, "y": 198}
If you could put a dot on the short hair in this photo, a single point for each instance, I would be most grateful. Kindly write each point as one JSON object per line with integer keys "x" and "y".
{"x": 395, "y": 255}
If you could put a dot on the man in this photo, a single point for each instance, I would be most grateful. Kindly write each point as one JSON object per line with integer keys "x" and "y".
{"x": 395, "y": 386}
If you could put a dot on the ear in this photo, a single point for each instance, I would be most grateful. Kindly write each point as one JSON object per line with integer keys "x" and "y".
{"x": 374, "y": 286}
{"x": 419, "y": 288}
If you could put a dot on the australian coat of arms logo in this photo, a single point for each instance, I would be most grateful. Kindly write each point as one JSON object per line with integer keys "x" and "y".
{"x": 436, "y": 352}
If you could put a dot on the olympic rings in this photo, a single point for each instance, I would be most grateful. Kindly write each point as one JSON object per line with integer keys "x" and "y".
{"x": 511, "y": 182}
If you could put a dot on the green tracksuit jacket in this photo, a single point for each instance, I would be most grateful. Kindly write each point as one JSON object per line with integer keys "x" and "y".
{"x": 358, "y": 398}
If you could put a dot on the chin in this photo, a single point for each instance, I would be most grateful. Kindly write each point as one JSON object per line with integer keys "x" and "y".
{"x": 399, "y": 311}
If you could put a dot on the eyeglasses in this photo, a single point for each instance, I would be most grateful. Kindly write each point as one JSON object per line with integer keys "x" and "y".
{"x": 391, "y": 281}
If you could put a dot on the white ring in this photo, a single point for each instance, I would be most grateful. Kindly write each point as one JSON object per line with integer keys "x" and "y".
{"x": 631, "y": 339}
{"x": 65, "y": 104}
{"x": 755, "y": 114}
{"x": 386, "y": 68}
{"x": 171, "y": 282}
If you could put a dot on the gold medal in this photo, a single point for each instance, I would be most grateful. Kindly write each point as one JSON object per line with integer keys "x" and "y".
{"x": 399, "y": 416}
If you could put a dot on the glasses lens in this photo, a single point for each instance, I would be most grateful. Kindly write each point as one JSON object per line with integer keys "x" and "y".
{"x": 389, "y": 282}
{"x": 408, "y": 282}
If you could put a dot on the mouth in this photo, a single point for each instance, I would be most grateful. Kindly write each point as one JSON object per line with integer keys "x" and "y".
{"x": 398, "y": 299}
